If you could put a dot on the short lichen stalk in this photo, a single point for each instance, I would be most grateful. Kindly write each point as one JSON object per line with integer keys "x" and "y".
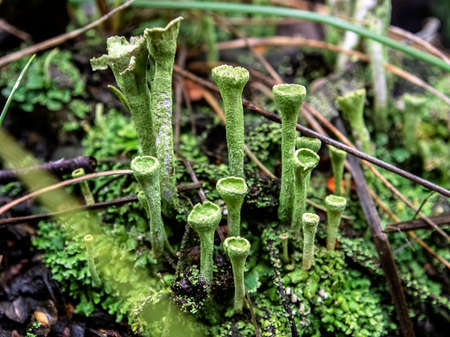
{"x": 231, "y": 82}
{"x": 284, "y": 237}
{"x": 204, "y": 218}
{"x": 146, "y": 172}
{"x": 337, "y": 158}
{"x": 288, "y": 98}
{"x": 304, "y": 161}
{"x": 310, "y": 222}
{"x": 84, "y": 185}
{"x": 415, "y": 109}
{"x": 335, "y": 206}
{"x": 89, "y": 244}
{"x": 233, "y": 190}
{"x": 162, "y": 46}
{"x": 128, "y": 62}
{"x": 238, "y": 249}
{"x": 352, "y": 105}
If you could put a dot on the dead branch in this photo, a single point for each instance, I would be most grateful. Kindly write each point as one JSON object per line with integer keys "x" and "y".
{"x": 414, "y": 224}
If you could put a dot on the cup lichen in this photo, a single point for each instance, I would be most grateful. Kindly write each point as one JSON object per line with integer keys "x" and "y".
{"x": 415, "y": 109}
{"x": 352, "y": 106}
{"x": 288, "y": 98}
{"x": 313, "y": 144}
{"x": 146, "y": 172}
{"x": 284, "y": 237}
{"x": 231, "y": 82}
{"x": 237, "y": 249}
{"x": 233, "y": 190}
{"x": 304, "y": 161}
{"x": 162, "y": 46}
{"x": 310, "y": 222}
{"x": 89, "y": 244}
{"x": 84, "y": 185}
{"x": 337, "y": 158}
{"x": 204, "y": 218}
{"x": 335, "y": 206}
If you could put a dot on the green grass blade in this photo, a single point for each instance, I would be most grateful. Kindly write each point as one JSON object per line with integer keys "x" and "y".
{"x": 299, "y": 14}
{"x": 13, "y": 91}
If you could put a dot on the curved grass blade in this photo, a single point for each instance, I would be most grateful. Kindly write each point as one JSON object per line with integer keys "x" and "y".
{"x": 13, "y": 91}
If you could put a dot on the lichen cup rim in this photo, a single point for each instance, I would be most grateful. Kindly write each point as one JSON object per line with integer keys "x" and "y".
{"x": 345, "y": 100}
{"x": 237, "y": 246}
{"x": 306, "y": 154}
{"x": 335, "y": 203}
{"x": 200, "y": 221}
{"x": 225, "y": 187}
{"x": 230, "y": 74}
{"x": 310, "y": 219}
{"x": 337, "y": 151}
{"x": 144, "y": 164}
{"x": 291, "y": 90}
{"x": 79, "y": 172}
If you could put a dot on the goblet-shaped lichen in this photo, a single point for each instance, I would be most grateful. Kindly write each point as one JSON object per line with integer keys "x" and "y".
{"x": 128, "y": 62}
{"x": 288, "y": 98}
{"x": 304, "y": 161}
{"x": 415, "y": 109}
{"x": 313, "y": 144}
{"x": 89, "y": 244}
{"x": 352, "y": 105}
{"x": 310, "y": 222}
{"x": 238, "y": 249}
{"x": 146, "y": 171}
{"x": 162, "y": 46}
{"x": 233, "y": 190}
{"x": 335, "y": 206}
{"x": 337, "y": 165}
{"x": 284, "y": 237}
{"x": 84, "y": 185}
{"x": 231, "y": 82}
{"x": 204, "y": 218}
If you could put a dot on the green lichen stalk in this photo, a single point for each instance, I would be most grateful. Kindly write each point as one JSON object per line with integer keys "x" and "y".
{"x": 415, "y": 109}
{"x": 204, "y": 218}
{"x": 310, "y": 222}
{"x": 335, "y": 206}
{"x": 84, "y": 185}
{"x": 352, "y": 105}
{"x": 304, "y": 162}
{"x": 162, "y": 46}
{"x": 233, "y": 190}
{"x": 284, "y": 237}
{"x": 89, "y": 244}
{"x": 238, "y": 249}
{"x": 288, "y": 98}
{"x": 337, "y": 158}
{"x": 146, "y": 172}
{"x": 231, "y": 82}
{"x": 128, "y": 62}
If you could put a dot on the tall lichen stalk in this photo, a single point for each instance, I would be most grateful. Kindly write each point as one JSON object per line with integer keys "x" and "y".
{"x": 162, "y": 46}
{"x": 335, "y": 206}
{"x": 310, "y": 222}
{"x": 304, "y": 161}
{"x": 352, "y": 105}
{"x": 415, "y": 109}
{"x": 231, "y": 82}
{"x": 288, "y": 98}
{"x": 337, "y": 165}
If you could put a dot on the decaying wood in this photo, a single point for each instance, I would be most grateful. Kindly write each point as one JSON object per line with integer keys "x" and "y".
{"x": 383, "y": 249}
{"x": 57, "y": 168}
{"x": 403, "y": 226}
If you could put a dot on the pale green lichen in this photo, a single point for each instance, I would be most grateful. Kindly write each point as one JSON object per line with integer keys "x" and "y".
{"x": 233, "y": 190}
{"x": 128, "y": 61}
{"x": 89, "y": 244}
{"x": 337, "y": 158}
{"x": 335, "y": 206}
{"x": 204, "y": 218}
{"x": 238, "y": 249}
{"x": 84, "y": 185}
{"x": 284, "y": 237}
{"x": 313, "y": 144}
{"x": 146, "y": 172}
{"x": 162, "y": 46}
{"x": 310, "y": 222}
{"x": 304, "y": 162}
{"x": 415, "y": 109}
{"x": 288, "y": 98}
{"x": 231, "y": 82}
{"x": 352, "y": 105}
